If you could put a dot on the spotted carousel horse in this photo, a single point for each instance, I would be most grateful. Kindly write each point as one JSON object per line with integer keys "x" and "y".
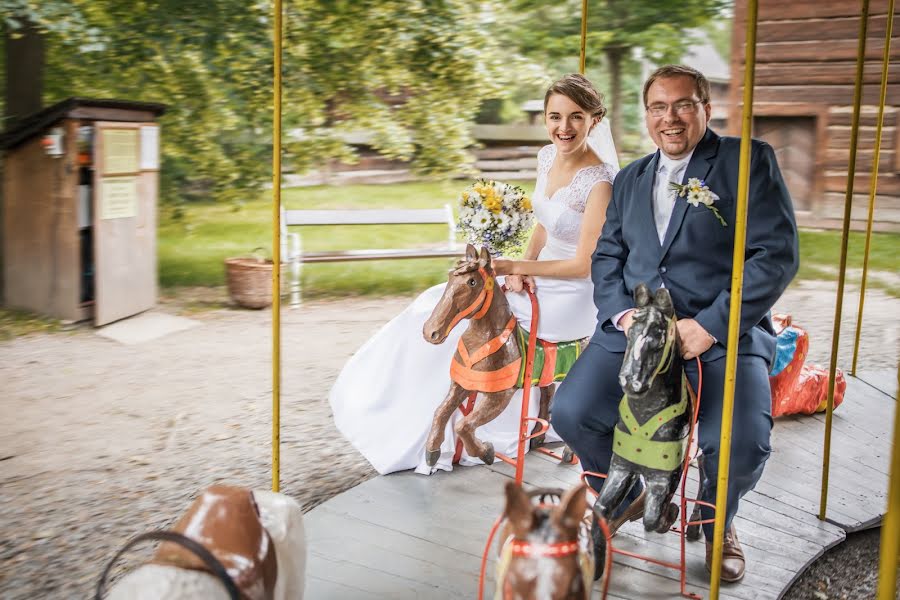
{"x": 651, "y": 435}
{"x": 489, "y": 356}
{"x": 546, "y": 553}
{"x": 231, "y": 543}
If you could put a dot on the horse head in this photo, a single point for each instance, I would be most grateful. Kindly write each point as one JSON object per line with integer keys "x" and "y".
{"x": 652, "y": 342}
{"x": 547, "y": 554}
{"x": 469, "y": 293}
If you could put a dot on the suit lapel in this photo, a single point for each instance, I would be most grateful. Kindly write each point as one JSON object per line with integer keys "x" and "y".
{"x": 699, "y": 167}
{"x": 645, "y": 199}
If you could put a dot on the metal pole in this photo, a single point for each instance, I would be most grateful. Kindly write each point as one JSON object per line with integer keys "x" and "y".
{"x": 845, "y": 236}
{"x": 581, "y": 63}
{"x": 890, "y": 528}
{"x": 734, "y": 315}
{"x": 276, "y": 255}
{"x": 873, "y": 185}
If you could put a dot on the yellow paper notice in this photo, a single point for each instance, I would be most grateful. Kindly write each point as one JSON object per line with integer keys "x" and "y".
{"x": 120, "y": 151}
{"x": 118, "y": 197}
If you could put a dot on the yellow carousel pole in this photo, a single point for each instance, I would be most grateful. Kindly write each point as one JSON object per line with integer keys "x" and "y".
{"x": 873, "y": 185}
{"x": 890, "y": 528}
{"x": 276, "y": 255}
{"x": 734, "y": 315}
{"x": 583, "y": 59}
{"x": 845, "y": 236}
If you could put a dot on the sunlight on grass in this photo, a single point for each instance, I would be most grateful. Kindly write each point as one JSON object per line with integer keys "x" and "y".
{"x": 192, "y": 251}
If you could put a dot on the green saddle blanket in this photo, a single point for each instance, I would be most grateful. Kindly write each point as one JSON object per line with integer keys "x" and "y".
{"x": 552, "y": 361}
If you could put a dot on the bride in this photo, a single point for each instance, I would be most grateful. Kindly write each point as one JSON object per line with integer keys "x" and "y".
{"x": 385, "y": 397}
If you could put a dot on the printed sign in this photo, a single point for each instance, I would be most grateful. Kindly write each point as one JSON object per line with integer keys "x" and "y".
{"x": 118, "y": 197}
{"x": 120, "y": 151}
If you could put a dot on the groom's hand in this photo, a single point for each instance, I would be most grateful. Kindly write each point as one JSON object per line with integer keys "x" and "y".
{"x": 694, "y": 339}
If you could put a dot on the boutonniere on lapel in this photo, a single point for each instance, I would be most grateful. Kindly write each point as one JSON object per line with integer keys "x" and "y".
{"x": 696, "y": 193}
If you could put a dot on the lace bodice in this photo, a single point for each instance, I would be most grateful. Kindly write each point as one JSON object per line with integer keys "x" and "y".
{"x": 561, "y": 214}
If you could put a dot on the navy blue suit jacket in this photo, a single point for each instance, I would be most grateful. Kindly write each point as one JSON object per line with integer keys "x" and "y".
{"x": 695, "y": 258}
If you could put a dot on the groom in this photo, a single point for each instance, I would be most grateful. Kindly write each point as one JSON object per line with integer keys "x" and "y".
{"x": 652, "y": 236}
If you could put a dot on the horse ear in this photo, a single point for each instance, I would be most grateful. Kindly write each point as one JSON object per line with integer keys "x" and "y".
{"x": 484, "y": 261}
{"x": 663, "y": 300}
{"x": 641, "y": 295}
{"x": 519, "y": 511}
{"x": 471, "y": 253}
{"x": 567, "y": 515}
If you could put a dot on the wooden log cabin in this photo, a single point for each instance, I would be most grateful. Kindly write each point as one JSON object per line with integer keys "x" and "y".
{"x": 803, "y": 104}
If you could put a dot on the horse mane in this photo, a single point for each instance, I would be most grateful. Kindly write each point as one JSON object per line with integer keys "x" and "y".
{"x": 464, "y": 266}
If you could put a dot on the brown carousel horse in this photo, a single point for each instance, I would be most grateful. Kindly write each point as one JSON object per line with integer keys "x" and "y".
{"x": 546, "y": 553}
{"x": 489, "y": 356}
{"x": 231, "y": 543}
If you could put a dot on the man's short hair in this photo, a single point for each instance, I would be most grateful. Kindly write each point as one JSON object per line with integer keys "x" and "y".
{"x": 701, "y": 83}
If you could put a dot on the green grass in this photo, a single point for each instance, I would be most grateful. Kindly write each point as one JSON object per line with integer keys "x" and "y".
{"x": 16, "y": 323}
{"x": 192, "y": 250}
{"x": 820, "y": 255}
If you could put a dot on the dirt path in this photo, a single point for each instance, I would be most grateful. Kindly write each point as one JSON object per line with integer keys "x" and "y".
{"x": 100, "y": 441}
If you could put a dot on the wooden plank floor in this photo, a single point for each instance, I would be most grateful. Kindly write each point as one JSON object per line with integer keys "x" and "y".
{"x": 408, "y": 536}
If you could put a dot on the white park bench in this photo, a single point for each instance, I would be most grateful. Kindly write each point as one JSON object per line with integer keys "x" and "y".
{"x": 292, "y": 244}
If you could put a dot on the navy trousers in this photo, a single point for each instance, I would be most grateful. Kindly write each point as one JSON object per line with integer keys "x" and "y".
{"x": 585, "y": 411}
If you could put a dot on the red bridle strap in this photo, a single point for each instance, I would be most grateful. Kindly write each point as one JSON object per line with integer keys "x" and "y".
{"x": 529, "y": 549}
{"x": 483, "y": 299}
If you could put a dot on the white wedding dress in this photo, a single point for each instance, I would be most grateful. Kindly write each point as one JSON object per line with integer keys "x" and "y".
{"x": 385, "y": 397}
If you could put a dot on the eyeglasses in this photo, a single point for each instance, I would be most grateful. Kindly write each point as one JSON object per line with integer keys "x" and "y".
{"x": 686, "y": 107}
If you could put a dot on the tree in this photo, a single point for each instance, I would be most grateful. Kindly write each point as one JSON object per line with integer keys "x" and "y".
{"x": 412, "y": 72}
{"x": 551, "y": 32}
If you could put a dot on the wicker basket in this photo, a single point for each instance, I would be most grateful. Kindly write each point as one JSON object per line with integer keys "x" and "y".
{"x": 249, "y": 281}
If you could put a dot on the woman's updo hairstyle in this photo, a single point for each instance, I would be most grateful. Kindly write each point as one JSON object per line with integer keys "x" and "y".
{"x": 579, "y": 90}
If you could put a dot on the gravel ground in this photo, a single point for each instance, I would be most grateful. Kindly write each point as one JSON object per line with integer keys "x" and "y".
{"x": 844, "y": 573}
{"x": 100, "y": 441}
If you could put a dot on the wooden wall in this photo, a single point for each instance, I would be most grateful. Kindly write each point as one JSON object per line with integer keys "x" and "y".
{"x": 41, "y": 246}
{"x": 806, "y": 67}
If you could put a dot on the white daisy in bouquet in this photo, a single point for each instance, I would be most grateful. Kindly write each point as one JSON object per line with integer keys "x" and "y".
{"x": 495, "y": 215}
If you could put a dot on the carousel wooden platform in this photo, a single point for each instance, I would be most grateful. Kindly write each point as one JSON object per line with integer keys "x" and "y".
{"x": 409, "y": 536}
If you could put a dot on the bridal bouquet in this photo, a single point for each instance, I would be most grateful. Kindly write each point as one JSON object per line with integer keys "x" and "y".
{"x": 495, "y": 215}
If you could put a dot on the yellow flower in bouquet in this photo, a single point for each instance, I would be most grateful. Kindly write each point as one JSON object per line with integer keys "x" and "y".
{"x": 495, "y": 215}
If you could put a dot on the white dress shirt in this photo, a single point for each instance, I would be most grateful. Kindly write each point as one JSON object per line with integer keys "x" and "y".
{"x": 667, "y": 171}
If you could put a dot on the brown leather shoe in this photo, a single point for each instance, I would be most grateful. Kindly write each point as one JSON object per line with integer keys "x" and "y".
{"x": 733, "y": 562}
{"x": 634, "y": 512}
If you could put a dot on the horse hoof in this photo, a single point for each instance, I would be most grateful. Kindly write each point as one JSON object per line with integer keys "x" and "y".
{"x": 668, "y": 518}
{"x": 568, "y": 457}
{"x": 431, "y": 457}
{"x": 488, "y": 455}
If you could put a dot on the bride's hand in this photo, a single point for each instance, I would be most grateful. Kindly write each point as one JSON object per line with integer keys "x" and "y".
{"x": 519, "y": 283}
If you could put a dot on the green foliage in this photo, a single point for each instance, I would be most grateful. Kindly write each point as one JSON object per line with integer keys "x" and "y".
{"x": 412, "y": 73}
{"x": 550, "y": 34}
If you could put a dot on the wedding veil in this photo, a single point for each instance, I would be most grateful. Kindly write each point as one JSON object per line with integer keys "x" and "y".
{"x": 601, "y": 142}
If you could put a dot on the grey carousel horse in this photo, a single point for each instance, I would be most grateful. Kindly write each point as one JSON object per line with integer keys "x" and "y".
{"x": 651, "y": 435}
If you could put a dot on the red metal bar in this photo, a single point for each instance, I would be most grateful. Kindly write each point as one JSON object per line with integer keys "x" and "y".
{"x": 526, "y": 388}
